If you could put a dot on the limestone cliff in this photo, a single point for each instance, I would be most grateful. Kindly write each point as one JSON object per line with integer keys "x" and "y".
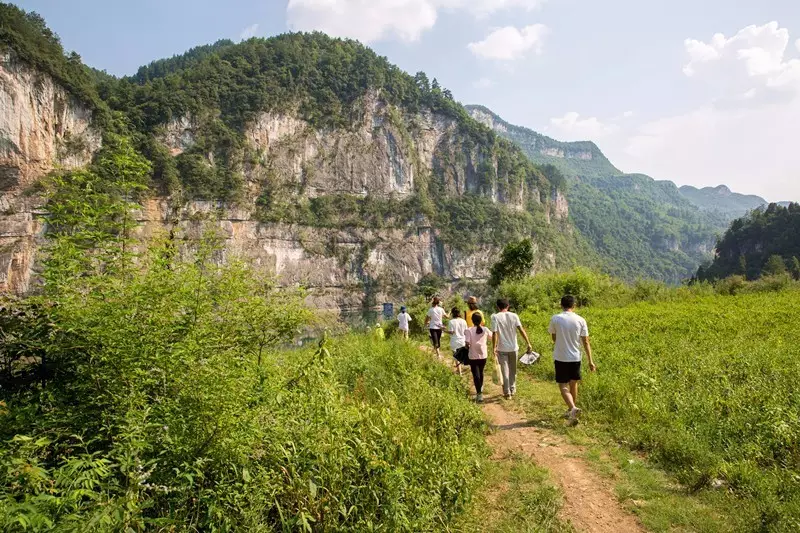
{"x": 42, "y": 127}
{"x": 387, "y": 153}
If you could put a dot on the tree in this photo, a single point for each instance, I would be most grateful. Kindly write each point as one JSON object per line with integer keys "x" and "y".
{"x": 742, "y": 265}
{"x": 430, "y": 285}
{"x": 515, "y": 262}
{"x": 774, "y": 266}
{"x": 421, "y": 79}
{"x": 796, "y": 268}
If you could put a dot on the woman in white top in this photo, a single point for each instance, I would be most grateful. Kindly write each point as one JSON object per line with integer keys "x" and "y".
{"x": 477, "y": 338}
{"x": 435, "y": 323}
{"x": 457, "y": 328}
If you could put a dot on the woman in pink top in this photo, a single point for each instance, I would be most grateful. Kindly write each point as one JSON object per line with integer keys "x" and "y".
{"x": 477, "y": 338}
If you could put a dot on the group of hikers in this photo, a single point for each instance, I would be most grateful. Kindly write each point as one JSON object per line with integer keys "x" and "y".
{"x": 470, "y": 338}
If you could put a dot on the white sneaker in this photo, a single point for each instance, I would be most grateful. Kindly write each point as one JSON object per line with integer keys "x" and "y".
{"x": 479, "y": 398}
{"x": 574, "y": 413}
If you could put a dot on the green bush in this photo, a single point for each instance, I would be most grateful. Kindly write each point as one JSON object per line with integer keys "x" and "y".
{"x": 166, "y": 403}
{"x": 730, "y": 286}
{"x": 543, "y": 292}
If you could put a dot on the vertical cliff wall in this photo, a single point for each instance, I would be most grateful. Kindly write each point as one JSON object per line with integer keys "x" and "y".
{"x": 42, "y": 127}
{"x": 386, "y": 154}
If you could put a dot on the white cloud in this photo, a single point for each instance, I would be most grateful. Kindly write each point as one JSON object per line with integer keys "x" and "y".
{"x": 756, "y": 55}
{"x": 751, "y": 149}
{"x": 510, "y": 43}
{"x": 572, "y": 127}
{"x": 249, "y": 31}
{"x": 373, "y": 20}
{"x": 627, "y": 114}
{"x": 745, "y": 136}
{"x": 483, "y": 83}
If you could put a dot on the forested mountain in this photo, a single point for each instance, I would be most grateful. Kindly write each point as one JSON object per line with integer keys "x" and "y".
{"x": 765, "y": 242}
{"x": 641, "y": 227}
{"x": 722, "y": 200}
{"x": 320, "y": 159}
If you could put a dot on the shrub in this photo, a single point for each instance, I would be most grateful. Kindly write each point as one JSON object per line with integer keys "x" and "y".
{"x": 516, "y": 262}
{"x": 543, "y": 292}
{"x": 167, "y": 404}
{"x": 731, "y": 285}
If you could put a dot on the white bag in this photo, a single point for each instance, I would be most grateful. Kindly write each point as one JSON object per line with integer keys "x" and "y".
{"x": 529, "y": 358}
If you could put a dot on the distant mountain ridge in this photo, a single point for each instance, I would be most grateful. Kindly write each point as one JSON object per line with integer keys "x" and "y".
{"x": 585, "y": 159}
{"x": 640, "y": 226}
{"x": 722, "y": 199}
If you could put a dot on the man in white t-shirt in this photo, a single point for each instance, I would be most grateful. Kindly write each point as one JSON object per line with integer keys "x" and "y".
{"x": 505, "y": 325}
{"x": 403, "y": 320}
{"x": 569, "y": 331}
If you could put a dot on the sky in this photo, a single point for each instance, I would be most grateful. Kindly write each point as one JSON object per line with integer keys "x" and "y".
{"x": 696, "y": 92}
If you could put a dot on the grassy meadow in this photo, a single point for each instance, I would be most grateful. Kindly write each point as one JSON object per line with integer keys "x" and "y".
{"x": 706, "y": 385}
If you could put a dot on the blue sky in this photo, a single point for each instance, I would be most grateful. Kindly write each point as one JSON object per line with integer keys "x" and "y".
{"x": 647, "y": 80}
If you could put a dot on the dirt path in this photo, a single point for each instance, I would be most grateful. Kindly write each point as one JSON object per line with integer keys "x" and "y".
{"x": 589, "y": 501}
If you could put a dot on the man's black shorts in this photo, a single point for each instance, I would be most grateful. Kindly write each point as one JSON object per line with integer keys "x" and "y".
{"x": 566, "y": 372}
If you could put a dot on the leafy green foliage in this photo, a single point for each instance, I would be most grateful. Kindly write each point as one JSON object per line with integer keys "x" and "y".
{"x": 430, "y": 285}
{"x": 761, "y": 243}
{"x": 205, "y": 425}
{"x": 516, "y": 261}
{"x": 775, "y": 266}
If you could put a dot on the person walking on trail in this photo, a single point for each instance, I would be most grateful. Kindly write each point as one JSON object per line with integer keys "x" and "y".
{"x": 472, "y": 307}
{"x": 457, "y": 329}
{"x": 569, "y": 331}
{"x": 435, "y": 323}
{"x": 506, "y": 325}
{"x": 403, "y": 320}
{"x": 477, "y": 338}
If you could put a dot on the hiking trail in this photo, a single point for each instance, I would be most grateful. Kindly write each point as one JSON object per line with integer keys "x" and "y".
{"x": 590, "y": 504}
{"x": 589, "y": 501}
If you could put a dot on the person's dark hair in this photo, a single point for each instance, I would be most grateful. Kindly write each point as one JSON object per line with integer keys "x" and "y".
{"x": 436, "y": 301}
{"x": 477, "y": 320}
{"x": 502, "y": 304}
{"x": 568, "y": 302}
{"x": 455, "y": 312}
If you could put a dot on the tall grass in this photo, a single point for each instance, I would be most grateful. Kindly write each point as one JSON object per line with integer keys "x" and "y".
{"x": 708, "y": 387}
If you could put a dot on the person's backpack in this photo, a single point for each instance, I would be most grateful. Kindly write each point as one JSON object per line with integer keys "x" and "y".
{"x": 462, "y": 355}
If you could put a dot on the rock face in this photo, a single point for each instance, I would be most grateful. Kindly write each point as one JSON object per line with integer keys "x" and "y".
{"x": 573, "y": 158}
{"x": 343, "y": 269}
{"x": 42, "y": 127}
{"x": 384, "y": 155}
